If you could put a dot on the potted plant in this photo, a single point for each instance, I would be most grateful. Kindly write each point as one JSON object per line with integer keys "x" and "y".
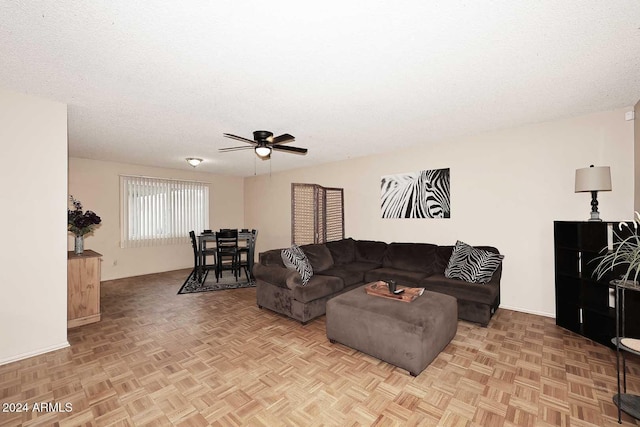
{"x": 624, "y": 255}
{"x": 80, "y": 223}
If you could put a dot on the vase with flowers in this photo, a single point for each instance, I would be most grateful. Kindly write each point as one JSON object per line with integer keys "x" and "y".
{"x": 80, "y": 223}
{"x": 623, "y": 259}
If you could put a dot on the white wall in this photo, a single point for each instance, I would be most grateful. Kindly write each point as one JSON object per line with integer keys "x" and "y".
{"x": 33, "y": 258}
{"x": 96, "y": 185}
{"x": 507, "y": 188}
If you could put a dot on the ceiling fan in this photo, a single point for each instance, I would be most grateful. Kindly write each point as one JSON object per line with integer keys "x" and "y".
{"x": 263, "y": 142}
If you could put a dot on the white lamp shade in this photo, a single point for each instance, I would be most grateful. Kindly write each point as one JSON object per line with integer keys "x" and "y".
{"x": 263, "y": 151}
{"x": 593, "y": 179}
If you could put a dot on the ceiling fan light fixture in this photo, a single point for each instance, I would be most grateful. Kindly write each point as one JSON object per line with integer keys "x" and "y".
{"x": 193, "y": 161}
{"x": 263, "y": 151}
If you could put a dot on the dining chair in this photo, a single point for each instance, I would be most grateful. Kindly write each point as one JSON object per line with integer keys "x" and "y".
{"x": 200, "y": 267}
{"x": 247, "y": 251}
{"x": 227, "y": 252}
{"x": 205, "y": 253}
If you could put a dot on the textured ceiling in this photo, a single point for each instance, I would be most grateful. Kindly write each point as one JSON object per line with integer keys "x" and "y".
{"x": 154, "y": 82}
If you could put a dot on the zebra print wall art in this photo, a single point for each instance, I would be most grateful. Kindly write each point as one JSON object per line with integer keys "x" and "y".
{"x": 423, "y": 194}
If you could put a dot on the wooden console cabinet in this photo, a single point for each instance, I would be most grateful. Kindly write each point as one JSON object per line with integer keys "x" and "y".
{"x": 83, "y": 288}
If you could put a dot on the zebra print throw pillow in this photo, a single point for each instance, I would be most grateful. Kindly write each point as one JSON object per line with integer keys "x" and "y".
{"x": 295, "y": 259}
{"x": 472, "y": 265}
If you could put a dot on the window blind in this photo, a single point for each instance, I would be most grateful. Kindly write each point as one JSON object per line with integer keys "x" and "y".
{"x": 155, "y": 211}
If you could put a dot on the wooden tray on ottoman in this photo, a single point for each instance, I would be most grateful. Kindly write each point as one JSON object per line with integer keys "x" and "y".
{"x": 380, "y": 289}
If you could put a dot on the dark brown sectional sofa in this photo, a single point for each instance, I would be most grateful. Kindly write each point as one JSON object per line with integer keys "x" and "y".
{"x": 342, "y": 265}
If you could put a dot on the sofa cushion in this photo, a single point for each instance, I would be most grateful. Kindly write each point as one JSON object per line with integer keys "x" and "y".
{"x": 349, "y": 277}
{"x": 410, "y": 257}
{"x": 443, "y": 255}
{"x": 402, "y": 277}
{"x": 362, "y": 266}
{"x": 295, "y": 259}
{"x": 272, "y": 274}
{"x": 370, "y": 251}
{"x": 472, "y": 265}
{"x": 272, "y": 257}
{"x": 480, "y": 293}
{"x": 343, "y": 251}
{"x": 319, "y": 256}
{"x": 319, "y": 286}
{"x": 351, "y": 273}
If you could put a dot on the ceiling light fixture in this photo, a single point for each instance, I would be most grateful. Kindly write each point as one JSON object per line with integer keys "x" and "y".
{"x": 193, "y": 161}
{"x": 263, "y": 150}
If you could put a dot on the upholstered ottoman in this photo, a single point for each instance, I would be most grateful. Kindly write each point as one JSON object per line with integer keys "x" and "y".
{"x": 406, "y": 334}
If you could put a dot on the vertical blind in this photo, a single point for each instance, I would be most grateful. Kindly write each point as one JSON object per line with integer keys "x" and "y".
{"x": 155, "y": 211}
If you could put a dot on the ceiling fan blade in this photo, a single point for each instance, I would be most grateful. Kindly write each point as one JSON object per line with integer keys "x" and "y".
{"x": 239, "y": 138}
{"x": 296, "y": 150}
{"x": 283, "y": 139}
{"x": 244, "y": 147}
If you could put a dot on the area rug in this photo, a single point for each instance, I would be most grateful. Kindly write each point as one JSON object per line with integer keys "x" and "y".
{"x": 227, "y": 281}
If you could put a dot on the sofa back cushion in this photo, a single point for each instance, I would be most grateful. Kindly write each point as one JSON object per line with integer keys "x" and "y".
{"x": 370, "y": 251}
{"x": 271, "y": 257}
{"x": 410, "y": 257}
{"x": 342, "y": 251}
{"x": 319, "y": 256}
{"x": 443, "y": 254}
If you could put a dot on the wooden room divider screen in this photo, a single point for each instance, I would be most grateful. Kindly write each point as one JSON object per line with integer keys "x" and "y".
{"x": 317, "y": 214}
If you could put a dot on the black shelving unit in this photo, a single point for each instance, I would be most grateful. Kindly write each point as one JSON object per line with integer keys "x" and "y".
{"x": 584, "y": 304}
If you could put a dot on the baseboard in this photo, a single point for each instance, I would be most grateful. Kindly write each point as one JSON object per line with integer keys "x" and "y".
{"x": 34, "y": 353}
{"x": 524, "y": 310}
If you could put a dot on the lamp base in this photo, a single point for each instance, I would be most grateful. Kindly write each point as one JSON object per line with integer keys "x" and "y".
{"x": 595, "y": 216}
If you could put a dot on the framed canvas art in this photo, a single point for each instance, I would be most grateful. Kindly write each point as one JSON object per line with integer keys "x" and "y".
{"x": 423, "y": 194}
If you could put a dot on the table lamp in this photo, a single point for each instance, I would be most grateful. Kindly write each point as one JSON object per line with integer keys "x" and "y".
{"x": 593, "y": 179}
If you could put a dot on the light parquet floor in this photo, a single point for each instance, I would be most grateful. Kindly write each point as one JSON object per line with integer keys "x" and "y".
{"x": 161, "y": 359}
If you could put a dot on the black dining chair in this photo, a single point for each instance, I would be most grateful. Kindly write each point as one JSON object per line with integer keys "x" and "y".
{"x": 227, "y": 252}
{"x": 200, "y": 266}
{"x": 245, "y": 251}
{"x": 205, "y": 253}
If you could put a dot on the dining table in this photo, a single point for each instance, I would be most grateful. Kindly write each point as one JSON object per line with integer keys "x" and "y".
{"x": 247, "y": 237}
